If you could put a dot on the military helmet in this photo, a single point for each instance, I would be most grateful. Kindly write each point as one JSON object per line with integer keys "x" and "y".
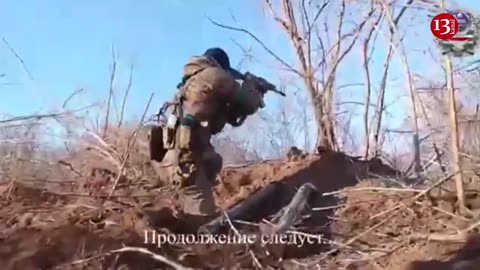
{"x": 221, "y": 57}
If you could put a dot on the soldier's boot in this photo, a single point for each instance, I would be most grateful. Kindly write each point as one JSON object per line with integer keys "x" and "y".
{"x": 199, "y": 198}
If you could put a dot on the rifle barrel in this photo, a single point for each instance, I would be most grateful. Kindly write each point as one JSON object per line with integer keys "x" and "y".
{"x": 279, "y": 92}
{"x": 273, "y": 90}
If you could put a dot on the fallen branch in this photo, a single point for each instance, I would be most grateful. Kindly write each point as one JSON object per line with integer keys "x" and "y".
{"x": 373, "y": 189}
{"x": 291, "y": 213}
{"x": 424, "y": 192}
{"x": 154, "y": 256}
{"x": 461, "y": 236}
{"x": 31, "y": 117}
{"x": 99, "y": 196}
{"x": 240, "y": 210}
{"x": 355, "y": 238}
{"x": 82, "y": 261}
{"x": 252, "y": 255}
{"x": 445, "y": 212}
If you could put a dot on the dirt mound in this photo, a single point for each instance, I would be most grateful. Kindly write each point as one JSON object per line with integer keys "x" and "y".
{"x": 328, "y": 172}
{"x": 466, "y": 258}
{"x": 78, "y": 229}
{"x": 386, "y": 228}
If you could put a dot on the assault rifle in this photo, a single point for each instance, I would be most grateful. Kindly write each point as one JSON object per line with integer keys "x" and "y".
{"x": 261, "y": 84}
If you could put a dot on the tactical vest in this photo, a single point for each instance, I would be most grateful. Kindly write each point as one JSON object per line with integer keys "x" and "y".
{"x": 194, "y": 66}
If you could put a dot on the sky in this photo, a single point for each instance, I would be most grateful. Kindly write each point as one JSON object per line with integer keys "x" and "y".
{"x": 66, "y": 45}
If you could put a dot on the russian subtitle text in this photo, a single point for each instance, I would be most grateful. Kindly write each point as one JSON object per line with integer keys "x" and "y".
{"x": 155, "y": 238}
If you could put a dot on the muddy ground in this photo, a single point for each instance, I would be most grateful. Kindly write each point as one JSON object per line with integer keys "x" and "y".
{"x": 367, "y": 224}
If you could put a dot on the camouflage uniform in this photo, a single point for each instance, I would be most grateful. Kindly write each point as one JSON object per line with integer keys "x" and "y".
{"x": 211, "y": 98}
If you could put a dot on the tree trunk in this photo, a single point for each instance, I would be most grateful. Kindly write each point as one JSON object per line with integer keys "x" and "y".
{"x": 323, "y": 126}
{"x": 454, "y": 143}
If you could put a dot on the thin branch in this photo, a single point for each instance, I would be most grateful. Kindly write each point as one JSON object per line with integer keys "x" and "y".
{"x": 274, "y": 55}
{"x": 409, "y": 80}
{"x": 40, "y": 116}
{"x": 131, "y": 142}
{"x": 124, "y": 101}
{"x": 383, "y": 84}
{"x": 31, "y": 117}
{"x": 30, "y": 76}
{"x": 71, "y": 96}
{"x": 110, "y": 92}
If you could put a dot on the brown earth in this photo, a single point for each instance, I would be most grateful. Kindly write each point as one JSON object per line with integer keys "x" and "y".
{"x": 71, "y": 229}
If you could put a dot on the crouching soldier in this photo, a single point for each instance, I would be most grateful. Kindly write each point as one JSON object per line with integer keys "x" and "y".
{"x": 209, "y": 97}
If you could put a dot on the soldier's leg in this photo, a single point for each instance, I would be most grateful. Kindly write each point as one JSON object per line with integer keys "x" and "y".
{"x": 166, "y": 171}
{"x": 213, "y": 163}
{"x": 199, "y": 106}
{"x": 198, "y": 198}
{"x": 196, "y": 195}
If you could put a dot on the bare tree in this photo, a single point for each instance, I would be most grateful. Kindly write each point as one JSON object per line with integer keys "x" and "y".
{"x": 318, "y": 49}
{"x": 454, "y": 135}
{"x": 368, "y": 84}
{"x": 300, "y": 20}
{"x": 409, "y": 80}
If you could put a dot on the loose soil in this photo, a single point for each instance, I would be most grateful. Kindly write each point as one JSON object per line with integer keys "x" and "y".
{"x": 74, "y": 228}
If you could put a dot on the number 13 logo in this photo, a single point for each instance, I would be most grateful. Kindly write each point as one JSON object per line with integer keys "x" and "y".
{"x": 444, "y": 26}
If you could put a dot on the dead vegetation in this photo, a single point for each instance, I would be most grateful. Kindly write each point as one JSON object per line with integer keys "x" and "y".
{"x": 373, "y": 225}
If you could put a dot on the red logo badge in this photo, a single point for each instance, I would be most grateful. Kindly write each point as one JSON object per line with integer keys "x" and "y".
{"x": 444, "y": 26}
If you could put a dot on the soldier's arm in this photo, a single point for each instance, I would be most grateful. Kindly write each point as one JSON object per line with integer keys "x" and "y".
{"x": 243, "y": 98}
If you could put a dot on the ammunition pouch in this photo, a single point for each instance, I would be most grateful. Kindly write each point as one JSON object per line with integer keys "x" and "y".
{"x": 184, "y": 133}
{"x": 169, "y": 137}
{"x": 169, "y": 132}
{"x": 156, "y": 144}
{"x": 184, "y": 136}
